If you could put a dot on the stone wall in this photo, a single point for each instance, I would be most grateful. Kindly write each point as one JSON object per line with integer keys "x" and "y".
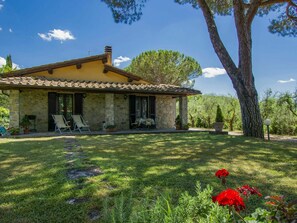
{"x": 121, "y": 112}
{"x": 14, "y": 109}
{"x": 94, "y": 110}
{"x": 165, "y": 112}
{"x": 35, "y": 102}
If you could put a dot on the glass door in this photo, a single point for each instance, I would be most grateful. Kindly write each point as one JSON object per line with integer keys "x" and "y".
{"x": 65, "y": 106}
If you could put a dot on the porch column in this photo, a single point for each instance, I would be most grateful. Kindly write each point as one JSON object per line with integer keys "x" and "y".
{"x": 183, "y": 111}
{"x": 14, "y": 108}
{"x": 109, "y": 109}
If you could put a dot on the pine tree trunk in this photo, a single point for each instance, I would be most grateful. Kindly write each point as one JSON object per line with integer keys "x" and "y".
{"x": 252, "y": 124}
{"x": 241, "y": 76}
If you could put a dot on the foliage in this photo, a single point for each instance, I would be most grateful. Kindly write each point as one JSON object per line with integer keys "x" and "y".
{"x": 281, "y": 210}
{"x": 14, "y": 130}
{"x": 4, "y": 117}
{"x": 25, "y": 122}
{"x": 219, "y": 115}
{"x": 165, "y": 67}
{"x": 8, "y": 66}
{"x": 280, "y": 108}
{"x": 202, "y": 110}
{"x": 188, "y": 208}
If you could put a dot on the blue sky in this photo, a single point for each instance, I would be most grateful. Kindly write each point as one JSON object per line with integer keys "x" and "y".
{"x": 39, "y": 32}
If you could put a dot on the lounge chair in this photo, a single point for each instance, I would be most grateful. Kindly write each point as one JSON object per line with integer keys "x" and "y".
{"x": 80, "y": 123}
{"x": 61, "y": 123}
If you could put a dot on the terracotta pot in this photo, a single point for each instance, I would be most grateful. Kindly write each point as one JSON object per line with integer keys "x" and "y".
{"x": 111, "y": 130}
{"x": 218, "y": 126}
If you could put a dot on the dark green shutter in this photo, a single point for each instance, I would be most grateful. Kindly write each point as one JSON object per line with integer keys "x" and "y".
{"x": 52, "y": 109}
{"x": 78, "y": 104}
{"x": 152, "y": 107}
{"x": 132, "y": 108}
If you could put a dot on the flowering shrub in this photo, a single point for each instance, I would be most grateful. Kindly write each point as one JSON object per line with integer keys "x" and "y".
{"x": 222, "y": 173}
{"x": 225, "y": 207}
{"x": 247, "y": 190}
{"x": 230, "y": 197}
{"x": 280, "y": 210}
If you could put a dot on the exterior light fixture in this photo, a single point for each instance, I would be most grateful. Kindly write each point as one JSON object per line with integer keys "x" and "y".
{"x": 267, "y": 122}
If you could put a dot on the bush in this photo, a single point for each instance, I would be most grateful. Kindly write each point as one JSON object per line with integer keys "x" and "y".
{"x": 4, "y": 117}
{"x": 219, "y": 116}
{"x": 198, "y": 208}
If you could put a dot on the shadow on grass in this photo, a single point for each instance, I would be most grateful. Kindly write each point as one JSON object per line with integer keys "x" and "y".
{"x": 33, "y": 182}
{"x": 149, "y": 163}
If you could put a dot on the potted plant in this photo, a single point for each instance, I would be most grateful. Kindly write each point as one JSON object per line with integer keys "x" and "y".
{"x": 178, "y": 123}
{"x": 110, "y": 128}
{"x": 219, "y": 124}
{"x": 13, "y": 131}
{"x": 25, "y": 123}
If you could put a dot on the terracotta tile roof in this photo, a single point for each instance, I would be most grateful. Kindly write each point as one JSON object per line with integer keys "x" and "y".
{"x": 95, "y": 86}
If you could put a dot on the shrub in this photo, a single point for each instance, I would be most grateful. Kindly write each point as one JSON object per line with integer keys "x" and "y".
{"x": 219, "y": 116}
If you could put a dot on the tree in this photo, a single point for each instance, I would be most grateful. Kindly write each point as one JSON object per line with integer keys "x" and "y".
{"x": 290, "y": 100}
{"x": 8, "y": 66}
{"x": 165, "y": 67}
{"x": 244, "y": 12}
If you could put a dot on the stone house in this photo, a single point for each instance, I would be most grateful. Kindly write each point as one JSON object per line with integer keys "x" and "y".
{"x": 94, "y": 88}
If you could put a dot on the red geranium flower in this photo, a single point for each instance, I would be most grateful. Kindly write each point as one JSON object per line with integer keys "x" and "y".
{"x": 247, "y": 190}
{"x": 230, "y": 197}
{"x": 222, "y": 173}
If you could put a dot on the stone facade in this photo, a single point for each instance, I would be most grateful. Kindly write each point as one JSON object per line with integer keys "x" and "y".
{"x": 165, "y": 112}
{"x": 34, "y": 102}
{"x": 97, "y": 107}
{"x": 121, "y": 111}
{"x": 14, "y": 108}
{"x": 94, "y": 110}
{"x": 109, "y": 109}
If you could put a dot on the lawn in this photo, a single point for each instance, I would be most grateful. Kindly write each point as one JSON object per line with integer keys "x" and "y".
{"x": 35, "y": 188}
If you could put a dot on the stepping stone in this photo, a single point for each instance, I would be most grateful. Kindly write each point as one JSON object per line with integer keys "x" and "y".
{"x": 76, "y": 173}
{"x": 76, "y": 200}
{"x": 94, "y": 215}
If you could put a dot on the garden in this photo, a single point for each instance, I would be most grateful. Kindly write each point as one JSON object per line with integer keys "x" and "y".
{"x": 146, "y": 178}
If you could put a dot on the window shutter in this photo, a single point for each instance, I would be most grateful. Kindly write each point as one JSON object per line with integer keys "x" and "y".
{"x": 132, "y": 99}
{"x": 52, "y": 109}
{"x": 78, "y": 104}
{"x": 152, "y": 108}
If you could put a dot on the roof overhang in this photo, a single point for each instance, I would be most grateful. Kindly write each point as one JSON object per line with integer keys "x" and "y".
{"x": 92, "y": 86}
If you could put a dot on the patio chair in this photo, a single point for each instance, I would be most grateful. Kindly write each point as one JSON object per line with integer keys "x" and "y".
{"x": 61, "y": 123}
{"x": 80, "y": 123}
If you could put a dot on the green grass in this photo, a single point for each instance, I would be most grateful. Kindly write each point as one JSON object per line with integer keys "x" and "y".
{"x": 34, "y": 187}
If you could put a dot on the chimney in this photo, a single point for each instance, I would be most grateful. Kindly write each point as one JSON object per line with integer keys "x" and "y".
{"x": 108, "y": 52}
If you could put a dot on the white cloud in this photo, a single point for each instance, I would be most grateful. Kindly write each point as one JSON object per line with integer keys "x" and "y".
{"x": 57, "y": 34}
{"x": 286, "y": 81}
{"x": 10, "y": 30}
{"x": 3, "y": 62}
{"x": 211, "y": 72}
{"x": 117, "y": 62}
{"x": 0, "y": 28}
{"x": 1, "y": 6}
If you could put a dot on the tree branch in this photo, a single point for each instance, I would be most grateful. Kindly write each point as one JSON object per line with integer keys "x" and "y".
{"x": 216, "y": 41}
{"x": 271, "y": 2}
{"x": 252, "y": 11}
